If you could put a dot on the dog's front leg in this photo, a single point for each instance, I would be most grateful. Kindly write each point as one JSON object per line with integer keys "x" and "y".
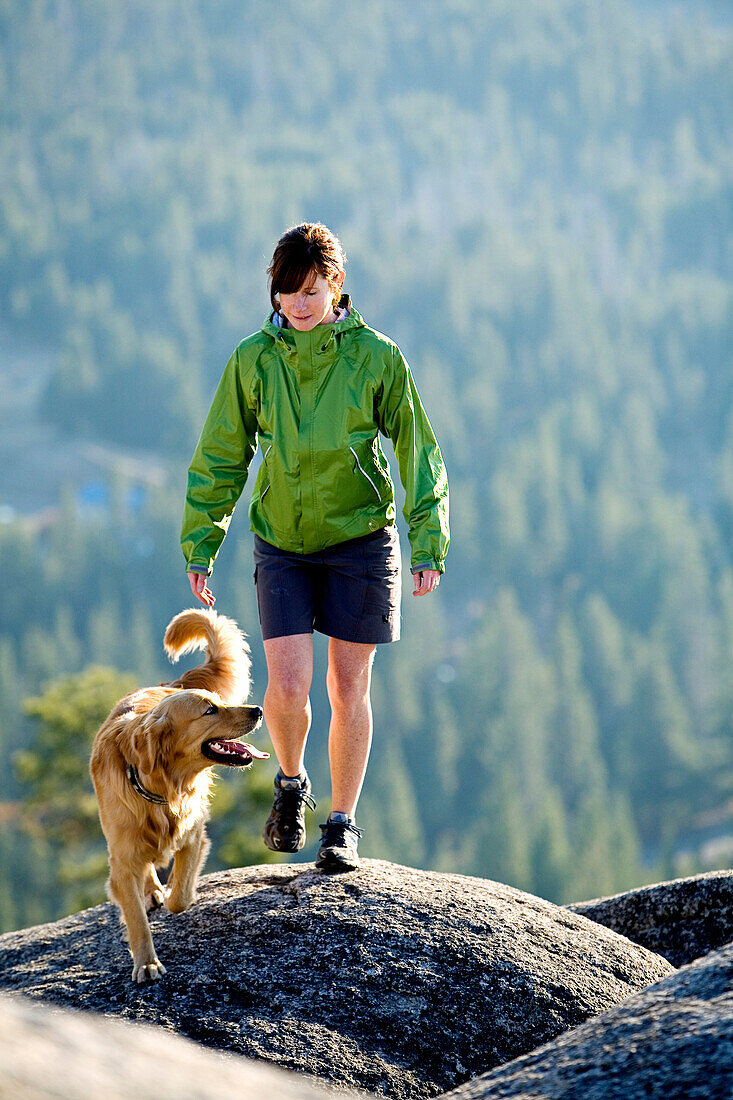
{"x": 186, "y": 866}
{"x": 126, "y": 884}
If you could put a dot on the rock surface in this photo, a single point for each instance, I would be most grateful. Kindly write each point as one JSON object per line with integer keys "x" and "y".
{"x": 48, "y": 1052}
{"x": 681, "y": 920}
{"x": 673, "y": 1041}
{"x": 388, "y": 979}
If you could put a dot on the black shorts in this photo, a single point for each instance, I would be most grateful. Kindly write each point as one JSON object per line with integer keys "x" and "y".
{"x": 350, "y": 591}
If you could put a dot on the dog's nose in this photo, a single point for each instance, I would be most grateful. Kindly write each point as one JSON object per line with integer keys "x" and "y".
{"x": 258, "y": 713}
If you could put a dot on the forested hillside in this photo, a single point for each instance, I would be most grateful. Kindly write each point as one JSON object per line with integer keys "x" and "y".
{"x": 535, "y": 200}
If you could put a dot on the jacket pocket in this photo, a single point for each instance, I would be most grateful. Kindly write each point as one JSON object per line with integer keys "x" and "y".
{"x": 358, "y": 466}
{"x": 265, "y": 475}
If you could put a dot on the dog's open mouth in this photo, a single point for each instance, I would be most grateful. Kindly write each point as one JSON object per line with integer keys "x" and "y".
{"x": 235, "y": 754}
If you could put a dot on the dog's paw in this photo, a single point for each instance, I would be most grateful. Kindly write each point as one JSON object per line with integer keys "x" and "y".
{"x": 148, "y": 971}
{"x": 155, "y": 899}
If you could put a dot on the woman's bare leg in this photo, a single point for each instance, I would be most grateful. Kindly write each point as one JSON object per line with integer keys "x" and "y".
{"x": 287, "y": 705}
{"x": 350, "y": 735}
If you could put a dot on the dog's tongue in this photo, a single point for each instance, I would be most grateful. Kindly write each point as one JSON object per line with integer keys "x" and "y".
{"x": 240, "y": 748}
{"x": 258, "y": 754}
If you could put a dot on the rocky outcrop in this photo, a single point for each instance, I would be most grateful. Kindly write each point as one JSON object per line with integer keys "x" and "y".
{"x": 673, "y": 1041}
{"x": 49, "y": 1053}
{"x": 388, "y": 979}
{"x": 681, "y": 920}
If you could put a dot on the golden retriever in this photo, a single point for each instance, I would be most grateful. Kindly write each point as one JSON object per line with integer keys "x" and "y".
{"x": 151, "y": 768}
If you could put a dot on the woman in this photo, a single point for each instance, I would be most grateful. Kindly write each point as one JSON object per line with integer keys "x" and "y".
{"x": 315, "y": 387}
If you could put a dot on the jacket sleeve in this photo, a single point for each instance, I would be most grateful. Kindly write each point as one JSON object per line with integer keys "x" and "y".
{"x": 218, "y": 470}
{"x": 402, "y": 417}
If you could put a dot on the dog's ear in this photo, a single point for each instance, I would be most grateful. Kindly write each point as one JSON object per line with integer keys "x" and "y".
{"x": 140, "y": 740}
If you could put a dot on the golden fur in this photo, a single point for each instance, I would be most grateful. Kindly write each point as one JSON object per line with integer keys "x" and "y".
{"x": 162, "y": 732}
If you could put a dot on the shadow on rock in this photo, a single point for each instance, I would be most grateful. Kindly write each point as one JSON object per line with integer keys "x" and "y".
{"x": 672, "y": 1041}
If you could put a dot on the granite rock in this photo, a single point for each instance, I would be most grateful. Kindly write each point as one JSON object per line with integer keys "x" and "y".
{"x": 681, "y": 920}
{"x": 388, "y": 979}
{"x": 672, "y": 1041}
{"x": 50, "y": 1053}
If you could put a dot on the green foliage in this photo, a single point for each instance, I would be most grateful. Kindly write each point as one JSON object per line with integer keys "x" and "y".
{"x": 59, "y": 807}
{"x": 55, "y": 767}
{"x": 239, "y": 809}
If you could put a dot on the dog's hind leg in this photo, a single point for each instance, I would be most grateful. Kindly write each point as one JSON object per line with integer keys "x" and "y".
{"x": 126, "y": 889}
{"x": 186, "y": 866}
{"x": 154, "y": 890}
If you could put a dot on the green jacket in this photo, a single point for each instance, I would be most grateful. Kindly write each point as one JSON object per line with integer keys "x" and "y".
{"x": 316, "y": 402}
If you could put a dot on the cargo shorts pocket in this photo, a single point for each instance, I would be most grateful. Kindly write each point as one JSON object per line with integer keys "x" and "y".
{"x": 383, "y": 572}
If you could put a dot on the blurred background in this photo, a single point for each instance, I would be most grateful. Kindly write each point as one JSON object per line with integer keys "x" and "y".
{"x": 535, "y": 200}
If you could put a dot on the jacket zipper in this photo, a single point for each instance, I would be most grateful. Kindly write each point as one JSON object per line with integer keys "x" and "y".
{"x": 264, "y": 460}
{"x": 366, "y": 475}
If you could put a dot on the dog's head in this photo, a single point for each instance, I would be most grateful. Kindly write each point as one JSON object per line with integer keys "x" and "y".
{"x": 188, "y": 731}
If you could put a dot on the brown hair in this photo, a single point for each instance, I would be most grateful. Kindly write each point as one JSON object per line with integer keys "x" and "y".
{"x": 302, "y": 250}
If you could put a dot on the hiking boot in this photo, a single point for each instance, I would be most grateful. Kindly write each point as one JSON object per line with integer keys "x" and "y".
{"x": 285, "y": 827}
{"x": 338, "y": 845}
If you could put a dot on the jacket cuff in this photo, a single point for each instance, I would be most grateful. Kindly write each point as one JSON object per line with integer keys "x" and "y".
{"x": 429, "y": 564}
{"x": 198, "y": 569}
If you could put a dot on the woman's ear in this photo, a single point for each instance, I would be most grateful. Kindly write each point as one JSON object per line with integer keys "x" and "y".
{"x": 337, "y": 286}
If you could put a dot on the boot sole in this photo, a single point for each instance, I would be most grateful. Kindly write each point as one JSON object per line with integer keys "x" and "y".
{"x": 333, "y": 864}
{"x": 288, "y": 847}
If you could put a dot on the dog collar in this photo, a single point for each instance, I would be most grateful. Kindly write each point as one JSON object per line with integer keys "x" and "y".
{"x": 135, "y": 780}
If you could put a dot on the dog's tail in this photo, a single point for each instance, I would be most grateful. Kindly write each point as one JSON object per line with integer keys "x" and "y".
{"x": 226, "y": 668}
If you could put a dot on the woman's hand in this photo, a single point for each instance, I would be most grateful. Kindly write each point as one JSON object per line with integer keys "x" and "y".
{"x": 200, "y": 588}
{"x": 426, "y": 580}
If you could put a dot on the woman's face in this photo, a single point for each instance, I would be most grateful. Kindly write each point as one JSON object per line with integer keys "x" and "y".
{"x": 311, "y": 305}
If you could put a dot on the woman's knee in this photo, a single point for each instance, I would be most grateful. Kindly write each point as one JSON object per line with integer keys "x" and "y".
{"x": 289, "y": 671}
{"x": 348, "y": 684}
{"x": 288, "y": 688}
